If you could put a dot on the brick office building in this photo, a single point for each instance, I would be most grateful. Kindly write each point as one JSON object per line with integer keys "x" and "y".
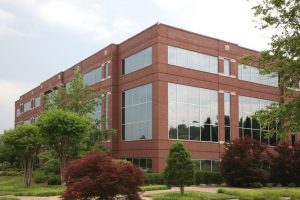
{"x": 167, "y": 84}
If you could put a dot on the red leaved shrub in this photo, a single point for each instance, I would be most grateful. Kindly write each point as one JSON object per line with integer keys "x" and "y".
{"x": 241, "y": 163}
{"x": 285, "y": 163}
{"x": 97, "y": 176}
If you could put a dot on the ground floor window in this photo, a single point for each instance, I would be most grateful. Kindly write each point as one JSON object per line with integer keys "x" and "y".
{"x": 207, "y": 165}
{"x": 144, "y": 163}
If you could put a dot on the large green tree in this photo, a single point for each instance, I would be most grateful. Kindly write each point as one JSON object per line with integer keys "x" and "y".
{"x": 64, "y": 131}
{"x": 25, "y": 141}
{"x": 180, "y": 168}
{"x": 81, "y": 99}
{"x": 283, "y": 57}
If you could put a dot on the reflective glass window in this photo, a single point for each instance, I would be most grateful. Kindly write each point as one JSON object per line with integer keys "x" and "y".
{"x": 138, "y": 60}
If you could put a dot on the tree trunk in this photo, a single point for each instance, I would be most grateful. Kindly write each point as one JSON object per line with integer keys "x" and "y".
{"x": 63, "y": 168}
{"x": 27, "y": 169}
{"x": 181, "y": 189}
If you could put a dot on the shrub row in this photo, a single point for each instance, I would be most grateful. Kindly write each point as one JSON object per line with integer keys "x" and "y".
{"x": 41, "y": 177}
{"x": 201, "y": 177}
{"x": 204, "y": 177}
{"x": 10, "y": 172}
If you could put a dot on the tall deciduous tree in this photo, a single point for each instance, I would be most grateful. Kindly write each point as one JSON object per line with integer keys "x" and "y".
{"x": 63, "y": 131}
{"x": 180, "y": 168}
{"x": 283, "y": 57}
{"x": 25, "y": 140}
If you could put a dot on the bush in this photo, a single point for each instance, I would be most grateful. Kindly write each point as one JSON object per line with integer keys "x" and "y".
{"x": 5, "y": 166}
{"x": 241, "y": 162}
{"x": 284, "y": 163}
{"x": 11, "y": 172}
{"x": 291, "y": 185}
{"x": 153, "y": 178}
{"x": 256, "y": 185}
{"x": 269, "y": 185}
{"x": 54, "y": 180}
{"x": 97, "y": 176}
{"x": 39, "y": 176}
{"x": 205, "y": 177}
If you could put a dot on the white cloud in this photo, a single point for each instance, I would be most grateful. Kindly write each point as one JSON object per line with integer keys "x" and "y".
{"x": 84, "y": 19}
{"x": 6, "y": 19}
{"x": 10, "y": 92}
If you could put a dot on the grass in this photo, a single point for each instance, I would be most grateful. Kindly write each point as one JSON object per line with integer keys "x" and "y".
{"x": 6, "y": 198}
{"x": 13, "y": 185}
{"x": 191, "y": 196}
{"x": 263, "y": 193}
{"x": 154, "y": 187}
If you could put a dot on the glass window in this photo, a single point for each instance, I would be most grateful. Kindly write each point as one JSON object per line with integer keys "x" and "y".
{"x": 144, "y": 163}
{"x": 192, "y": 113}
{"x": 106, "y": 65}
{"x": 28, "y": 121}
{"x": 37, "y": 101}
{"x": 138, "y": 60}
{"x": 227, "y": 116}
{"x": 93, "y": 77}
{"x": 27, "y": 106}
{"x": 137, "y": 113}
{"x": 226, "y": 67}
{"x": 249, "y": 125}
{"x": 206, "y": 165}
{"x": 193, "y": 60}
{"x": 249, "y": 73}
{"x": 18, "y": 112}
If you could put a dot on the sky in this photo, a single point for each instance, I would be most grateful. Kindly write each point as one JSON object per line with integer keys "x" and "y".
{"x": 39, "y": 38}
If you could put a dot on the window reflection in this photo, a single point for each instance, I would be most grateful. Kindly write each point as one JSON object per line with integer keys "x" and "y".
{"x": 137, "y": 111}
{"x": 249, "y": 73}
{"x": 137, "y": 61}
{"x": 193, "y": 113}
{"x": 192, "y": 60}
{"x": 249, "y": 125}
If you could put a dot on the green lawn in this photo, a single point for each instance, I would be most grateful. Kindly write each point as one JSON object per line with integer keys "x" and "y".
{"x": 10, "y": 185}
{"x": 154, "y": 187}
{"x": 191, "y": 196}
{"x": 264, "y": 193}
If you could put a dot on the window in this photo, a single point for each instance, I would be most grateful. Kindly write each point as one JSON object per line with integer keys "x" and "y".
{"x": 193, "y": 60}
{"x": 144, "y": 163}
{"x": 93, "y": 76}
{"x": 192, "y": 113}
{"x": 106, "y": 70}
{"x": 68, "y": 86}
{"x": 27, "y": 122}
{"x": 106, "y": 110}
{"x": 37, "y": 101}
{"x": 207, "y": 165}
{"x": 137, "y": 61}
{"x": 227, "y": 116}
{"x": 226, "y": 67}
{"x": 248, "y": 124}
{"x": 27, "y": 106}
{"x": 18, "y": 112}
{"x": 249, "y": 73}
{"x": 137, "y": 113}
{"x": 97, "y": 113}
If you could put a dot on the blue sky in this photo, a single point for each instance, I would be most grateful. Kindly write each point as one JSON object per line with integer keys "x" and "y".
{"x": 39, "y": 38}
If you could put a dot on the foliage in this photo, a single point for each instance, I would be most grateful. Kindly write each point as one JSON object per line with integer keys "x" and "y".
{"x": 63, "y": 131}
{"x": 282, "y": 58}
{"x": 284, "y": 163}
{"x": 11, "y": 172}
{"x": 263, "y": 193}
{"x": 191, "y": 196}
{"x": 153, "y": 178}
{"x": 54, "y": 180}
{"x": 5, "y": 166}
{"x": 241, "y": 163}
{"x": 50, "y": 164}
{"x": 256, "y": 185}
{"x": 40, "y": 176}
{"x": 180, "y": 167}
{"x": 25, "y": 140}
{"x": 204, "y": 177}
{"x": 154, "y": 187}
{"x": 97, "y": 176}
{"x": 14, "y": 186}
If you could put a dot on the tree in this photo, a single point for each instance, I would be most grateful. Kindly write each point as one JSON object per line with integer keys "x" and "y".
{"x": 97, "y": 176}
{"x": 25, "y": 141}
{"x": 81, "y": 99}
{"x": 283, "y": 58}
{"x": 242, "y": 161}
{"x": 284, "y": 163}
{"x": 63, "y": 131}
{"x": 180, "y": 168}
